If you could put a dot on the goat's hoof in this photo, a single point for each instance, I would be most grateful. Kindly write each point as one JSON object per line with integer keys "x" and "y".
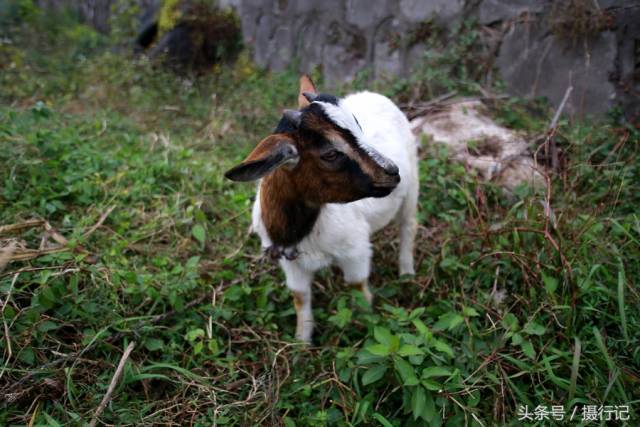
{"x": 304, "y": 340}
{"x": 407, "y": 271}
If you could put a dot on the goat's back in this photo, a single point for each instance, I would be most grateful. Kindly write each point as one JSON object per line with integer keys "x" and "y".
{"x": 387, "y": 129}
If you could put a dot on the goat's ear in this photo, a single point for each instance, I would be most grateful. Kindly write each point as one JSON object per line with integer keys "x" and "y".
{"x": 271, "y": 153}
{"x": 306, "y": 86}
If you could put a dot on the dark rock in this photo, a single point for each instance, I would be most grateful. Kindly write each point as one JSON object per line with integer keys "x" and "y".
{"x": 533, "y": 62}
{"x": 441, "y": 11}
{"x": 366, "y": 14}
{"x": 491, "y": 11}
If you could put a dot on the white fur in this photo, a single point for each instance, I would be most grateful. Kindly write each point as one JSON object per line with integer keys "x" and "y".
{"x": 341, "y": 234}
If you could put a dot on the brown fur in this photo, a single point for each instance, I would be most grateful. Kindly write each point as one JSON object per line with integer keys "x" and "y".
{"x": 306, "y": 85}
{"x": 291, "y": 196}
{"x": 298, "y": 300}
{"x": 267, "y": 146}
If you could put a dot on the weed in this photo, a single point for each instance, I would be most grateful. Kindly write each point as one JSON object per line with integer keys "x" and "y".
{"x": 532, "y": 301}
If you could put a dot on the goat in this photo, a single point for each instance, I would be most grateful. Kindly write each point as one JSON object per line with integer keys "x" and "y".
{"x": 331, "y": 174}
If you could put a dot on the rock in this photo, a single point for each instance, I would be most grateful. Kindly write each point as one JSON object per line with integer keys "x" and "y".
{"x": 497, "y": 153}
{"x": 310, "y": 44}
{"x": 388, "y": 52}
{"x": 535, "y": 63}
{"x": 344, "y": 54}
{"x": 491, "y": 11}
{"x": 174, "y": 45}
{"x": 346, "y": 37}
{"x": 366, "y": 14}
{"x": 281, "y": 48}
{"x": 441, "y": 11}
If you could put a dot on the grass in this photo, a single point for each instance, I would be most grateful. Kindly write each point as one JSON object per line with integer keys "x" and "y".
{"x": 513, "y": 304}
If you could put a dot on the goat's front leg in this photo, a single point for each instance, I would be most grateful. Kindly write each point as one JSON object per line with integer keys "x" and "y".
{"x": 299, "y": 282}
{"x": 304, "y": 315}
{"x": 356, "y": 272}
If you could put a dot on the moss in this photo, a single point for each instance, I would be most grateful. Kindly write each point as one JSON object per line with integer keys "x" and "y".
{"x": 170, "y": 15}
{"x": 577, "y": 20}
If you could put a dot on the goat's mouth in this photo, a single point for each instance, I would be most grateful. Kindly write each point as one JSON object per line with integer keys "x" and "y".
{"x": 384, "y": 188}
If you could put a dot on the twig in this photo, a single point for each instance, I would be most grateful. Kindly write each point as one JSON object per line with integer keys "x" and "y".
{"x": 556, "y": 117}
{"x": 57, "y": 237}
{"x": 5, "y": 229}
{"x": 5, "y": 255}
{"x": 4, "y": 322}
{"x": 112, "y": 385}
{"x": 27, "y": 254}
{"x": 97, "y": 225}
{"x": 552, "y": 130}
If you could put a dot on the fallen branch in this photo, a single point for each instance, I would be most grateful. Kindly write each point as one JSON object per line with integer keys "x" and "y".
{"x": 4, "y": 323}
{"x": 97, "y": 225}
{"x": 27, "y": 254}
{"x": 6, "y": 254}
{"x": 112, "y": 385}
{"x": 10, "y": 228}
{"x": 551, "y": 140}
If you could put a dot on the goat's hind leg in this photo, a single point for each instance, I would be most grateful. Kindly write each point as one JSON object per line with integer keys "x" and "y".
{"x": 408, "y": 225}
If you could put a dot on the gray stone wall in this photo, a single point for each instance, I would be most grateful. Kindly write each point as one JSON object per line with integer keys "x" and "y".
{"x": 530, "y": 42}
{"x": 531, "y": 55}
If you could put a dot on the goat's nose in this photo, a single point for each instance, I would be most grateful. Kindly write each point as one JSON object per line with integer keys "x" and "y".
{"x": 391, "y": 169}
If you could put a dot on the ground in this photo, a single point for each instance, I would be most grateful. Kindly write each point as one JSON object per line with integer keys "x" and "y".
{"x": 520, "y": 302}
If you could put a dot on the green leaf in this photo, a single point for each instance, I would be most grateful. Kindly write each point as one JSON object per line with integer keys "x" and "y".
{"x": 435, "y": 371}
{"x": 47, "y": 326}
{"x": 383, "y": 336}
{"x": 527, "y": 349}
{"x": 27, "y": 356}
{"x": 374, "y": 374}
{"x": 198, "y": 232}
{"x": 429, "y": 412}
{"x": 443, "y": 347}
{"x": 448, "y": 321}
{"x": 430, "y": 384}
{"x": 213, "y": 346}
{"x": 194, "y": 334}
{"x": 533, "y": 328}
{"x": 470, "y": 312}
{"x": 153, "y": 344}
{"x": 409, "y": 350}
{"x": 382, "y": 420}
{"x": 51, "y": 421}
{"x": 550, "y": 283}
{"x": 406, "y": 372}
{"x": 366, "y": 358}
{"x": 516, "y": 339}
{"x": 378, "y": 350}
{"x": 422, "y": 328}
{"x": 510, "y": 321}
{"x": 418, "y": 402}
{"x": 341, "y": 318}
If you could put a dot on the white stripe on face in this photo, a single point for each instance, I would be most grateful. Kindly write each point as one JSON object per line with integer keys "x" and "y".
{"x": 343, "y": 118}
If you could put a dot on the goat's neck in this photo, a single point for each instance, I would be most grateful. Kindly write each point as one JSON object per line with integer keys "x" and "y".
{"x": 286, "y": 215}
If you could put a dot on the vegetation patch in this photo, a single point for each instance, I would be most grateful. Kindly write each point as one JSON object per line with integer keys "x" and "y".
{"x": 525, "y": 302}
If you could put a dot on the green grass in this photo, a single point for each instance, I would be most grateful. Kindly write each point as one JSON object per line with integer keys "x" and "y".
{"x": 98, "y": 138}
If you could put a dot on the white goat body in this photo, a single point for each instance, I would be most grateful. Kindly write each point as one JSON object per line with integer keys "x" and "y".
{"x": 341, "y": 233}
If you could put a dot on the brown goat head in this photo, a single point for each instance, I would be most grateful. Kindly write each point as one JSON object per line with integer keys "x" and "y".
{"x": 318, "y": 155}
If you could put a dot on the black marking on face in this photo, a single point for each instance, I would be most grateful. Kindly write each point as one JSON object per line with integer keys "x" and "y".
{"x": 325, "y": 97}
{"x": 357, "y": 122}
{"x": 285, "y": 126}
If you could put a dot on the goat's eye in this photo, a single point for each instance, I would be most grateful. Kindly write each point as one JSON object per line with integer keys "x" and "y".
{"x": 332, "y": 155}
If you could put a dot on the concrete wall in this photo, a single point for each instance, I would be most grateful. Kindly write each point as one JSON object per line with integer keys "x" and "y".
{"x": 529, "y": 50}
{"x": 524, "y": 39}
